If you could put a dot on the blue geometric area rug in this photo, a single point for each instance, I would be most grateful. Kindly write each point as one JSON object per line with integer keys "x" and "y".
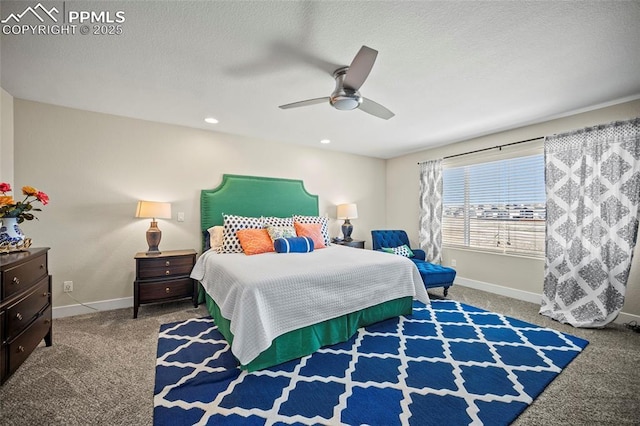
{"x": 446, "y": 364}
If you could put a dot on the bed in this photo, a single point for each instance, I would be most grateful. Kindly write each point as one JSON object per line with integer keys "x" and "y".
{"x": 276, "y": 307}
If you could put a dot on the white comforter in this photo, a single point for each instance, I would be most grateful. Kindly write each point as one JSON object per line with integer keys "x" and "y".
{"x": 267, "y": 295}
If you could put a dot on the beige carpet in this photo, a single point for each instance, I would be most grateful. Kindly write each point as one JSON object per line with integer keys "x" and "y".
{"x": 100, "y": 370}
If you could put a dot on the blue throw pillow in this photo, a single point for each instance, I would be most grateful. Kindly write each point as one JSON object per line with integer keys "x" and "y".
{"x": 293, "y": 245}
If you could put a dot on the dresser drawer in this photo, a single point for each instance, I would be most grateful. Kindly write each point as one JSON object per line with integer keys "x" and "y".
{"x": 24, "y": 344}
{"x": 23, "y": 312}
{"x": 3, "y": 365}
{"x": 156, "y": 291}
{"x": 24, "y": 275}
{"x": 165, "y": 267}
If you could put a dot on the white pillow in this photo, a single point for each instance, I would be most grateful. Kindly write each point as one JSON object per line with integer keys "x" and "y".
{"x": 216, "y": 238}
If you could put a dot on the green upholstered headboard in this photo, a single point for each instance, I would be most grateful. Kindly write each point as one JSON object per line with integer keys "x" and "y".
{"x": 255, "y": 196}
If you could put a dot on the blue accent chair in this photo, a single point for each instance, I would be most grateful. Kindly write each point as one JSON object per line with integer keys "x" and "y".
{"x": 432, "y": 275}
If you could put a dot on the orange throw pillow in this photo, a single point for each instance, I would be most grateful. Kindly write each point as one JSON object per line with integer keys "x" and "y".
{"x": 255, "y": 241}
{"x": 311, "y": 230}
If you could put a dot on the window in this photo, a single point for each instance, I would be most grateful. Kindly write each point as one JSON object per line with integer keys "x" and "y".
{"x": 496, "y": 206}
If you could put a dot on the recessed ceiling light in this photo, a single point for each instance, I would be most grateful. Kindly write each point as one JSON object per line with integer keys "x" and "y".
{"x": 325, "y": 141}
{"x": 211, "y": 120}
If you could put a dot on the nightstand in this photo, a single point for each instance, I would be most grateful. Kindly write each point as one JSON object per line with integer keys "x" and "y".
{"x": 352, "y": 243}
{"x": 163, "y": 277}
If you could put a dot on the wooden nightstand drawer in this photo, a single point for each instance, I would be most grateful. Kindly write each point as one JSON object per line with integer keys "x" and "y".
{"x": 158, "y": 290}
{"x": 23, "y": 276}
{"x": 24, "y": 344}
{"x": 22, "y": 313}
{"x": 165, "y": 267}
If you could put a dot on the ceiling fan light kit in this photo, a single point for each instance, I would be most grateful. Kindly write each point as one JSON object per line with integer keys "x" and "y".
{"x": 346, "y": 95}
{"x": 342, "y": 98}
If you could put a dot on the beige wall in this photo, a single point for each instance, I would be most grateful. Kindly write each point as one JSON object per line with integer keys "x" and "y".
{"x": 96, "y": 166}
{"x": 6, "y": 137}
{"x": 511, "y": 272}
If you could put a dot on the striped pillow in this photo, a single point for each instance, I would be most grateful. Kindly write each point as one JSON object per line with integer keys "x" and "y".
{"x": 293, "y": 245}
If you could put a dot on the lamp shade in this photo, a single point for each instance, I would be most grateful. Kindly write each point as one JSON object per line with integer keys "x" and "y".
{"x": 153, "y": 209}
{"x": 347, "y": 211}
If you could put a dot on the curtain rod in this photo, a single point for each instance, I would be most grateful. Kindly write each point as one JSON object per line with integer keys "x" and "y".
{"x": 487, "y": 149}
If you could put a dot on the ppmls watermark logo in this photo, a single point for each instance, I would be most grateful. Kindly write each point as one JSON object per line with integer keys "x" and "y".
{"x": 57, "y": 20}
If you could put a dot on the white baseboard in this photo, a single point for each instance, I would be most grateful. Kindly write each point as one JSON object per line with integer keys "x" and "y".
{"x": 498, "y": 289}
{"x": 86, "y": 308}
{"x": 624, "y": 318}
{"x": 127, "y": 302}
{"x": 525, "y": 296}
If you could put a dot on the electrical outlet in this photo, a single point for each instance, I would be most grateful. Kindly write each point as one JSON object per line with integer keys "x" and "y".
{"x": 68, "y": 286}
{"x": 180, "y": 216}
{"x": 453, "y": 262}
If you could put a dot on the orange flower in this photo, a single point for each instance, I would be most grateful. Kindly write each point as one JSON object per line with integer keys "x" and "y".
{"x": 29, "y": 191}
{"x": 5, "y": 200}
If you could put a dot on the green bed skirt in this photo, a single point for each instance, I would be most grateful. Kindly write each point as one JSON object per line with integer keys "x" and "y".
{"x": 307, "y": 340}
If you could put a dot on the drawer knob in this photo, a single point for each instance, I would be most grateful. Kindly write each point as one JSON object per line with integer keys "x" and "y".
{"x": 167, "y": 272}
{"x": 168, "y": 290}
{"x": 167, "y": 263}
{"x": 16, "y": 280}
{"x": 42, "y": 266}
{"x": 20, "y": 348}
{"x": 19, "y": 316}
{"x": 47, "y": 321}
{"x": 45, "y": 294}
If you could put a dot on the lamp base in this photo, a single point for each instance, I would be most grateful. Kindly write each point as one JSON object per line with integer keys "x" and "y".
{"x": 347, "y": 228}
{"x": 154, "y": 235}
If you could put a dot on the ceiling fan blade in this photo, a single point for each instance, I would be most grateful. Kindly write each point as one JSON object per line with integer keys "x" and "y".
{"x": 305, "y": 103}
{"x": 360, "y": 68}
{"x": 375, "y": 108}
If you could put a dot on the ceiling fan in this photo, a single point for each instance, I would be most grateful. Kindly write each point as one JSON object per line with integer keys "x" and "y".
{"x": 346, "y": 96}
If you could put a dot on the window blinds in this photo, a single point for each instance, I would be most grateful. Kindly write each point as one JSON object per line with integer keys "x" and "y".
{"x": 496, "y": 206}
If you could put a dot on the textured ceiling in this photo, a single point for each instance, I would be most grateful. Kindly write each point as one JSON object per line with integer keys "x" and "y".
{"x": 449, "y": 70}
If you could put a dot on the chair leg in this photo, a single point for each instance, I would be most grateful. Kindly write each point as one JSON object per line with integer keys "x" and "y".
{"x": 446, "y": 291}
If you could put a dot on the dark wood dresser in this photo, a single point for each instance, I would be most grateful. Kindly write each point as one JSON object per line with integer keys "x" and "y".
{"x": 25, "y": 307}
{"x": 163, "y": 277}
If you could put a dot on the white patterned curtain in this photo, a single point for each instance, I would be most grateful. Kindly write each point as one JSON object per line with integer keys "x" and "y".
{"x": 431, "y": 210}
{"x": 593, "y": 203}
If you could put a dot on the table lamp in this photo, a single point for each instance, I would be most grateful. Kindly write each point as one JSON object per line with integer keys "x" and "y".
{"x": 154, "y": 210}
{"x": 346, "y": 212}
